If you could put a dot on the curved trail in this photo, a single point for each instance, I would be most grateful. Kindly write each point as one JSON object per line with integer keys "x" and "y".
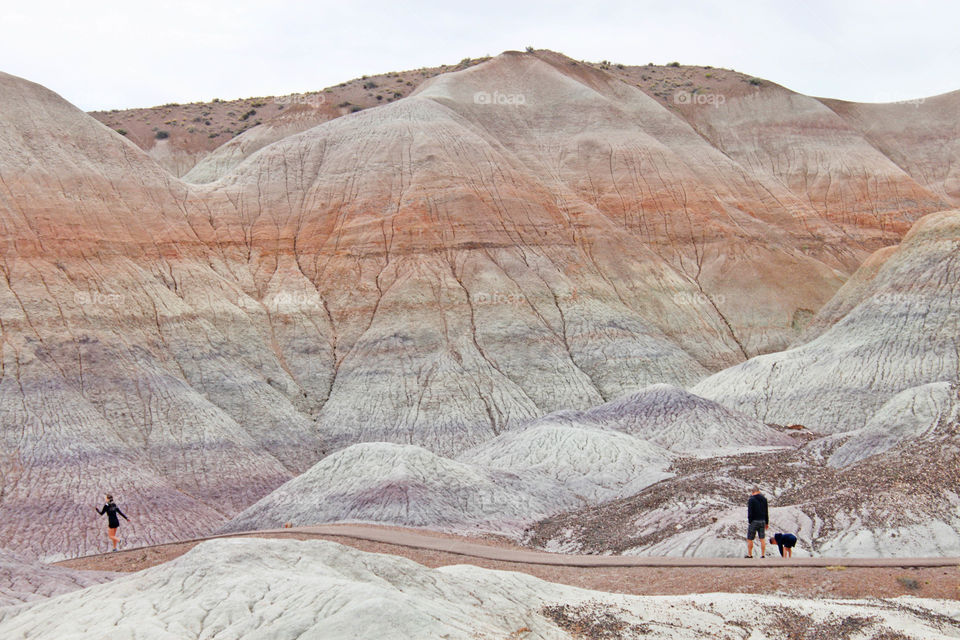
{"x": 471, "y": 548}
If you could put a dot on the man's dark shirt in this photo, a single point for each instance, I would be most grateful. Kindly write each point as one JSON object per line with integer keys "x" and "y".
{"x": 785, "y": 540}
{"x": 757, "y": 508}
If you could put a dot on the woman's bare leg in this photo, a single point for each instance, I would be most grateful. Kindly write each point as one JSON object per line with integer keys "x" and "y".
{"x": 112, "y": 534}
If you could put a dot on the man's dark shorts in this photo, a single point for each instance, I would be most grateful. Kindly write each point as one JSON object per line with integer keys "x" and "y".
{"x": 757, "y": 528}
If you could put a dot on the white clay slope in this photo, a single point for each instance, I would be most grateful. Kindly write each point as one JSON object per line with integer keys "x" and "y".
{"x": 904, "y": 332}
{"x": 910, "y": 415}
{"x": 24, "y": 580}
{"x": 922, "y": 136}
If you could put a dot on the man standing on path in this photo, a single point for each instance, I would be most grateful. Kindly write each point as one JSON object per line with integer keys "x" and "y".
{"x": 757, "y": 519}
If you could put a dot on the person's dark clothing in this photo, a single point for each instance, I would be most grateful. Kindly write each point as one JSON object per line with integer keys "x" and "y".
{"x": 785, "y": 540}
{"x": 757, "y": 509}
{"x": 112, "y": 510}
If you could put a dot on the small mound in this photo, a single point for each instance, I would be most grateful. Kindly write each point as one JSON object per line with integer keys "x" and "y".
{"x": 596, "y": 464}
{"x": 405, "y": 485}
{"x": 27, "y": 581}
{"x": 679, "y": 421}
{"x": 908, "y": 416}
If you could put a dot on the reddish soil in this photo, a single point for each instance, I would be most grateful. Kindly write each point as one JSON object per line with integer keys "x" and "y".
{"x": 204, "y": 126}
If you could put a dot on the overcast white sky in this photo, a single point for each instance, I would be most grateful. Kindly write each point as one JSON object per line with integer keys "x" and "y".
{"x": 102, "y": 55}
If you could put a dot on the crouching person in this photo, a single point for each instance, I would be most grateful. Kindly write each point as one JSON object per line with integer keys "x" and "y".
{"x": 785, "y": 542}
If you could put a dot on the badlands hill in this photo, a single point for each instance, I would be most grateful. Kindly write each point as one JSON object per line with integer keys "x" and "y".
{"x": 509, "y": 239}
{"x": 111, "y": 381}
{"x": 202, "y": 141}
{"x": 893, "y": 327}
{"x": 407, "y": 485}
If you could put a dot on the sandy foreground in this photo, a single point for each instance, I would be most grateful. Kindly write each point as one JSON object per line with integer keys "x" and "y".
{"x": 835, "y": 581}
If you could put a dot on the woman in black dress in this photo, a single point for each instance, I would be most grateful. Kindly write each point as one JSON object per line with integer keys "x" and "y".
{"x": 113, "y": 521}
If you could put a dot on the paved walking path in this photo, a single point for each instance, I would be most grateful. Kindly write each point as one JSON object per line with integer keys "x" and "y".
{"x": 414, "y": 539}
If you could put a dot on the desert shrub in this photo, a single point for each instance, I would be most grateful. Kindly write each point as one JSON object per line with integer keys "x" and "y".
{"x": 909, "y": 583}
{"x": 162, "y": 135}
{"x": 674, "y": 64}
{"x": 122, "y": 132}
{"x": 370, "y": 85}
{"x": 252, "y": 112}
{"x": 755, "y": 81}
